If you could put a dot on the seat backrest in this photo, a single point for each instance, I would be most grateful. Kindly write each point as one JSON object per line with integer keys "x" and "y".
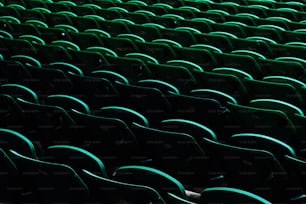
{"x": 111, "y": 191}
{"x": 110, "y": 139}
{"x": 75, "y": 157}
{"x": 152, "y": 177}
{"x": 12, "y": 140}
{"x": 51, "y": 182}
{"x": 126, "y": 114}
{"x": 230, "y": 195}
{"x": 262, "y": 121}
{"x": 244, "y": 166}
{"x": 262, "y": 142}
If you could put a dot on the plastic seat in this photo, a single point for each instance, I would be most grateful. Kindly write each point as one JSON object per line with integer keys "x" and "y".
{"x": 52, "y": 53}
{"x": 86, "y": 60}
{"x": 83, "y": 23}
{"x": 102, "y": 50}
{"x": 208, "y": 47}
{"x": 46, "y": 125}
{"x": 128, "y": 115}
{"x": 202, "y": 58}
{"x": 57, "y": 19}
{"x": 228, "y": 84}
{"x": 75, "y": 157}
{"x": 94, "y": 91}
{"x": 194, "y": 129}
{"x": 185, "y": 38}
{"x": 51, "y": 34}
{"x": 13, "y": 72}
{"x": 48, "y": 81}
{"x": 59, "y": 181}
{"x": 18, "y": 47}
{"x": 219, "y": 41}
{"x": 178, "y": 76}
{"x": 205, "y": 111}
{"x": 5, "y": 34}
{"x": 288, "y": 51}
{"x": 19, "y": 91}
{"x": 12, "y": 140}
{"x": 274, "y": 123}
{"x": 68, "y": 103}
{"x": 32, "y": 39}
{"x": 65, "y": 44}
{"x": 220, "y": 96}
{"x": 164, "y": 87}
{"x": 249, "y": 169}
{"x": 263, "y": 89}
{"x": 114, "y": 191}
{"x": 121, "y": 46}
{"x": 232, "y": 71}
{"x": 291, "y": 69}
{"x": 132, "y": 37}
{"x": 263, "y": 142}
{"x": 140, "y": 98}
{"x": 260, "y": 47}
{"x": 65, "y": 67}
{"x": 253, "y": 54}
{"x": 109, "y": 139}
{"x": 160, "y": 51}
{"x": 183, "y": 63}
{"x": 272, "y": 104}
{"x": 151, "y": 177}
{"x": 173, "y": 152}
{"x": 132, "y": 69}
{"x": 168, "y": 42}
{"x": 229, "y": 195}
{"x": 143, "y": 57}
{"x": 110, "y": 75}
{"x": 26, "y": 60}
{"x": 148, "y": 33}
{"x": 241, "y": 62}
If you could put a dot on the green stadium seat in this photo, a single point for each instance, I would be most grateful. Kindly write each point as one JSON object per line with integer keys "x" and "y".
{"x": 68, "y": 103}
{"x": 128, "y": 115}
{"x": 59, "y": 181}
{"x": 178, "y": 76}
{"x": 114, "y": 191}
{"x": 75, "y": 157}
{"x": 232, "y": 71}
{"x": 220, "y": 96}
{"x": 164, "y": 87}
{"x": 194, "y": 129}
{"x": 243, "y": 166}
{"x": 110, "y": 139}
{"x": 228, "y": 84}
{"x": 227, "y": 194}
{"x": 258, "y": 89}
{"x": 19, "y": 91}
{"x": 110, "y": 75}
{"x": 274, "y": 123}
{"x": 152, "y": 177}
{"x": 65, "y": 67}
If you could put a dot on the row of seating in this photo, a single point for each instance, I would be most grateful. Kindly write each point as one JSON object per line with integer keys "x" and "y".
{"x": 179, "y": 147}
{"x": 189, "y": 8}
{"x": 241, "y": 27}
{"x": 166, "y": 117}
{"x": 67, "y": 173}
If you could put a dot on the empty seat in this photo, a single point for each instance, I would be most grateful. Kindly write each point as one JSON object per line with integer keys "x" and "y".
{"x": 59, "y": 181}
{"x": 227, "y": 195}
{"x": 111, "y": 191}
